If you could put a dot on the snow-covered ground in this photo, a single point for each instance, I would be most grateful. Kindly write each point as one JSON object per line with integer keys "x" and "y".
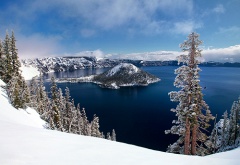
{"x": 132, "y": 69}
{"x": 28, "y": 72}
{"x": 24, "y": 141}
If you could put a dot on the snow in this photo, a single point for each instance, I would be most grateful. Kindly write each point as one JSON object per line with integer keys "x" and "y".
{"x": 2, "y": 83}
{"x": 24, "y": 141}
{"x": 132, "y": 69}
{"x": 28, "y": 72}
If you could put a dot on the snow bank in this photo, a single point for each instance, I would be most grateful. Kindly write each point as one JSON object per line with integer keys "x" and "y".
{"x": 28, "y": 72}
{"x": 9, "y": 114}
{"x": 23, "y": 141}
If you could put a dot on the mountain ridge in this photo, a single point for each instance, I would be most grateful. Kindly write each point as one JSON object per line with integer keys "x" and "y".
{"x": 58, "y": 64}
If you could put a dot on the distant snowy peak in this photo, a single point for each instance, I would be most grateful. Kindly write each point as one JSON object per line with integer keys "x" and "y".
{"x": 123, "y": 66}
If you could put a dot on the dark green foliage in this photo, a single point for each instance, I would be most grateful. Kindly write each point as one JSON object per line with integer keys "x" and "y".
{"x": 15, "y": 61}
{"x": 8, "y": 67}
{"x": 2, "y": 61}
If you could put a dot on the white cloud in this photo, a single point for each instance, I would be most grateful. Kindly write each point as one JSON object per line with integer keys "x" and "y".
{"x": 106, "y": 14}
{"x": 229, "y": 54}
{"x": 185, "y": 27}
{"x": 96, "y": 53}
{"x": 219, "y": 9}
{"x": 37, "y": 46}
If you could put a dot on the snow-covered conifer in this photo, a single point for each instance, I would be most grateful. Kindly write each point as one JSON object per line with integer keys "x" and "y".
{"x": 193, "y": 114}
{"x": 33, "y": 89}
{"x": 95, "y": 127}
{"x": 109, "y": 136}
{"x": 8, "y": 69}
{"x": 14, "y": 55}
{"x": 56, "y": 114}
{"x": 2, "y": 61}
{"x": 114, "y": 135}
{"x": 85, "y": 122}
{"x": 234, "y": 121}
{"x": 42, "y": 97}
{"x": 79, "y": 123}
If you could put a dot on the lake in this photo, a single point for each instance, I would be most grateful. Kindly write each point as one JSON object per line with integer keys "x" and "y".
{"x": 140, "y": 115}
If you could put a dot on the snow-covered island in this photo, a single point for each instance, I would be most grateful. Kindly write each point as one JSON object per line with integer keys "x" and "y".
{"x": 124, "y": 74}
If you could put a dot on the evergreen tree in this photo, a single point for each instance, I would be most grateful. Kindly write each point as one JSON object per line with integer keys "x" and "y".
{"x": 14, "y": 55}
{"x": 42, "y": 98}
{"x": 95, "y": 127}
{"x": 109, "y": 136}
{"x": 192, "y": 111}
{"x": 33, "y": 90}
{"x": 79, "y": 123}
{"x": 56, "y": 116}
{"x": 114, "y": 135}
{"x": 67, "y": 109}
{"x": 85, "y": 123}
{"x": 225, "y": 134}
{"x": 2, "y": 61}
{"x": 234, "y": 121}
{"x": 13, "y": 90}
{"x": 18, "y": 91}
{"x": 8, "y": 67}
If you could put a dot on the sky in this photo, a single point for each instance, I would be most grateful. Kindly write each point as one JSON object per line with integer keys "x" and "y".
{"x": 118, "y": 27}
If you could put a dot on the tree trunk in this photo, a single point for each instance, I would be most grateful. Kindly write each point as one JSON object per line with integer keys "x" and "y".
{"x": 194, "y": 139}
{"x": 187, "y": 138}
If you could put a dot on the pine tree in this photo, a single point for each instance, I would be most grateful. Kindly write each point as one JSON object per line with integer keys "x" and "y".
{"x": 192, "y": 111}
{"x": 79, "y": 121}
{"x": 18, "y": 92}
{"x": 13, "y": 90}
{"x": 8, "y": 67}
{"x": 14, "y": 55}
{"x": 33, "y": 90}
{"x": 95, "y": 127}
{"x": 2, "y": 61}
{"x": 85, "y": 123}
{"x": 226, "y": 133}
{"x": 113, "y": 135}
{"x": 109, "y": 136}
{"x": 234, "y": 121}
{"x": 42, "y": 98}
{"x": 67, "y": 109}
{"x": 56, "y": 115}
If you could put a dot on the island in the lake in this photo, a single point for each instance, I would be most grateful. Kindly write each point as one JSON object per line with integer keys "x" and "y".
{"x": 124, "y": 74}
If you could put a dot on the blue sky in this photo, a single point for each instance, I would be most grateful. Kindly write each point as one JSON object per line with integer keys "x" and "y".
{"x": 60, "y": 27}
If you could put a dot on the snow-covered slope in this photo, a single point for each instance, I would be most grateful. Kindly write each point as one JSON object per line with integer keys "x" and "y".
{"x": 23, "y": 141}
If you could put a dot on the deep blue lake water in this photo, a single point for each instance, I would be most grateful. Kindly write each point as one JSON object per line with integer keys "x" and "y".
{"x": 140, "y": 115}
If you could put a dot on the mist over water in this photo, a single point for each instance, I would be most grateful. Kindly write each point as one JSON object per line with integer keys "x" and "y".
{"x": 141, "y": 114}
